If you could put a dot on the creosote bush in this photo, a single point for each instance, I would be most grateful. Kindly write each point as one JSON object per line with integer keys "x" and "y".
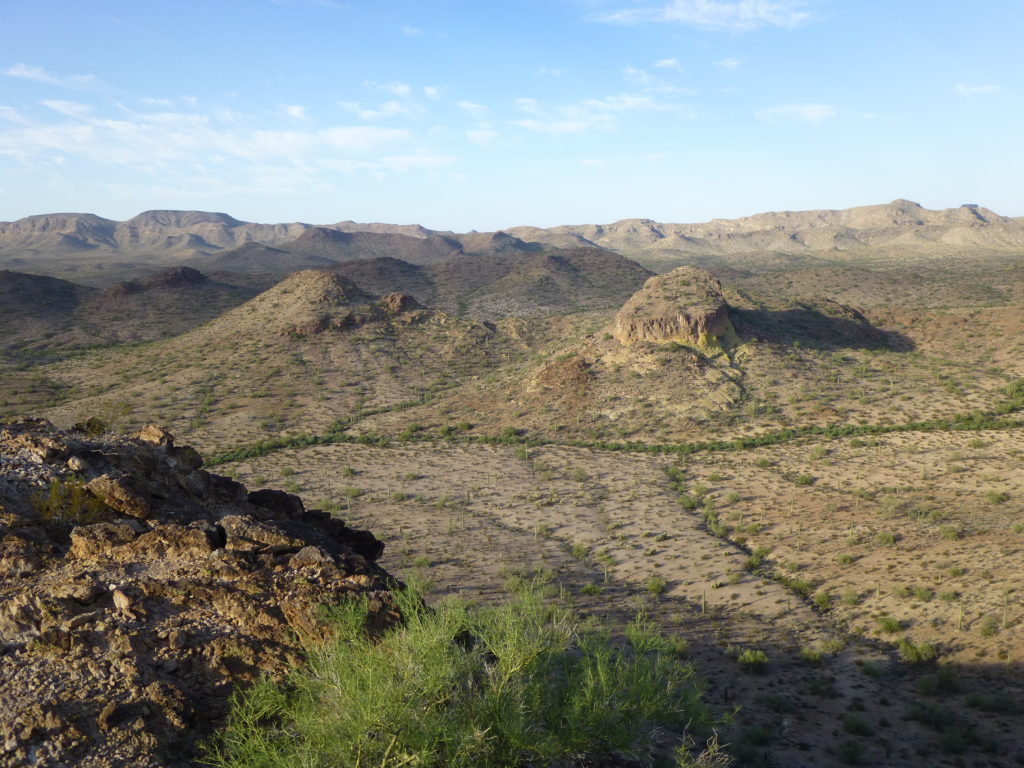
{"x": 514, "y": 685}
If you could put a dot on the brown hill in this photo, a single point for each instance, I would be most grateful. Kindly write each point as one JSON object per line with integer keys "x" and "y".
{"x": 39, "y": 313}
{"x": 900, "y": 231}
{"x": 36, "y": 307}
{"x": 346, "y": 246}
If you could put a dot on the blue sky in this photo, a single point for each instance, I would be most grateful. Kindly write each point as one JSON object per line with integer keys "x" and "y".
{"x": 480, "y": 115}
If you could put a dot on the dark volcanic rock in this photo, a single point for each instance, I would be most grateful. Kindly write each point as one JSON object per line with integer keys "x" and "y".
{"x": 137, "y": 590}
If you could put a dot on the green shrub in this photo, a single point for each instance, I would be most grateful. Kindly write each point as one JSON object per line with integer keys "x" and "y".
{"x": 752, "y": 660}
{"x": 655, "y": 585}
{"x": 520, "y": 684}
{"x": 823, "y": 601}
{"x": 889, "y": 625}
{"x": 917, "y": 654}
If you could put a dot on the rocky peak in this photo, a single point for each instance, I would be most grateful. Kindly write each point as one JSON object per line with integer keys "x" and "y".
{"x": 137, "y": 589}
{"x": 685, "y": 306}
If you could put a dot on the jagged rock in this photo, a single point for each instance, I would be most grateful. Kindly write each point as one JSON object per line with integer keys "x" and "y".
{"x": 140, "y": 589}
{"x": 683, "y": 306}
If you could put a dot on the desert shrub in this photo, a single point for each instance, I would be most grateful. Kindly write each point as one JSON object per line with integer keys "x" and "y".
{"x": 66, "y": 502}
{"x": 752, "y": 660}
{"x": 889, "y": 625}
{"x": 579, "y": 551}
{"x": 856, "y": 725}
{"x": 917, "y": 654}
{"x": 997, "y": 701}
{"x": 990, "y": 626}
{"x": 513, "y": 685}
{"x": 943, "y": 680}
{"x": 997, "y": 497}
{"x": 655, "y": 585}
{"x": 823, "y": 601}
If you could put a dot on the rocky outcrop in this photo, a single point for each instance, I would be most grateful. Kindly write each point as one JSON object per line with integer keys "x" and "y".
{"x": 137, "y": 589}
{"x": 684, "y": 306}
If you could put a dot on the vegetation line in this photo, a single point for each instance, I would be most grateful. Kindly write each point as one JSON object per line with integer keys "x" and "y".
{"x": 998, "y": 418}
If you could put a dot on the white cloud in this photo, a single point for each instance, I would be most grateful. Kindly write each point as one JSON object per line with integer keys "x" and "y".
{"x": 11, "y": 115}
{"x": 528, "y": 105}
{"x": 671, "y": 63}
{"x": 588, "y": 114}
{"x": 478, "y": 111}
{"x": 163, "y": 142}
{"x": 974, "y": 90}
{"x": 410, "y": 31}
{"x": 484, "y": 137}
{"x": 636, "y": 75}
{"x": 295, "y": 111}
{"x": 392, "y": 108}
{"x": 402, "y": 163}
{"x": 69, "y": 108}
{"x": 550, "y": 72}
{"x": 554, "y": 127}
{"x": 40, "y": 75}
{"x": 728, "y": 63}
{"x": 432, "y": 91}
{"x": 627, "y": 102}
{"x": 395, "y": 88}
{"x": 809, "y": 113}
{"x": 734, "y": 15}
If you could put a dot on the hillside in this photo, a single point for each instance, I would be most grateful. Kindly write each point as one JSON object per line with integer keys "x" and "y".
{"x": 41, "y": 314}
{"x": 876, "y": 235}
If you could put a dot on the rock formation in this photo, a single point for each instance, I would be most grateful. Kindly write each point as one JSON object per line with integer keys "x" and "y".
{"x": 684, "y": 306}
{"x": 137, "y": 589}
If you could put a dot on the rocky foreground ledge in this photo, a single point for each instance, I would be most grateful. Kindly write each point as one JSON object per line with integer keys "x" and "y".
{"x": 137, "y": 589}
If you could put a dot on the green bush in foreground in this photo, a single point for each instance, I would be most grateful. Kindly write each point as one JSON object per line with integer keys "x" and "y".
{"x": 517, "y": 685}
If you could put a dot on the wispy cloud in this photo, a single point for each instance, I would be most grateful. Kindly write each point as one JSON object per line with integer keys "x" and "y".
{"x": 636, "y": 75}
{"x": 670, "y": 63}
{"x": 734, "y": 15}
{"x": 401, "y": 106}
{"x": 555, "y": 127}
{"x": 550, "y": 72}
{"x": 478, "y": 111}
{"x": 589, "y": 114}
{"x": 295, "y": 111}
{"x": 976, "y": 90}
{"x": 808, "y": 113}
{"x": 728, "y": 63}
{"x": 157, "y": 142}
{"x": 482, "y": 137}
{"x": 392, "y": 108}
{"x": 410, "y": 31}
{"x": 74, "y": 82}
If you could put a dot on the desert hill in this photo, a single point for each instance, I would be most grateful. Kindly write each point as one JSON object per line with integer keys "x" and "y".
{"x": 44, "y": 314}
{"x": 877, "y": 235}
{"x": 901, "y": 228}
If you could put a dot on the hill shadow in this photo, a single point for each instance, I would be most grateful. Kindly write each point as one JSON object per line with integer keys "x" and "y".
{"x": 814, "y": 329}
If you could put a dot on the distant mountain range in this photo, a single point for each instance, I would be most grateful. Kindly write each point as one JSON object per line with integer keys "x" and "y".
{"x": 91, "y": 246}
